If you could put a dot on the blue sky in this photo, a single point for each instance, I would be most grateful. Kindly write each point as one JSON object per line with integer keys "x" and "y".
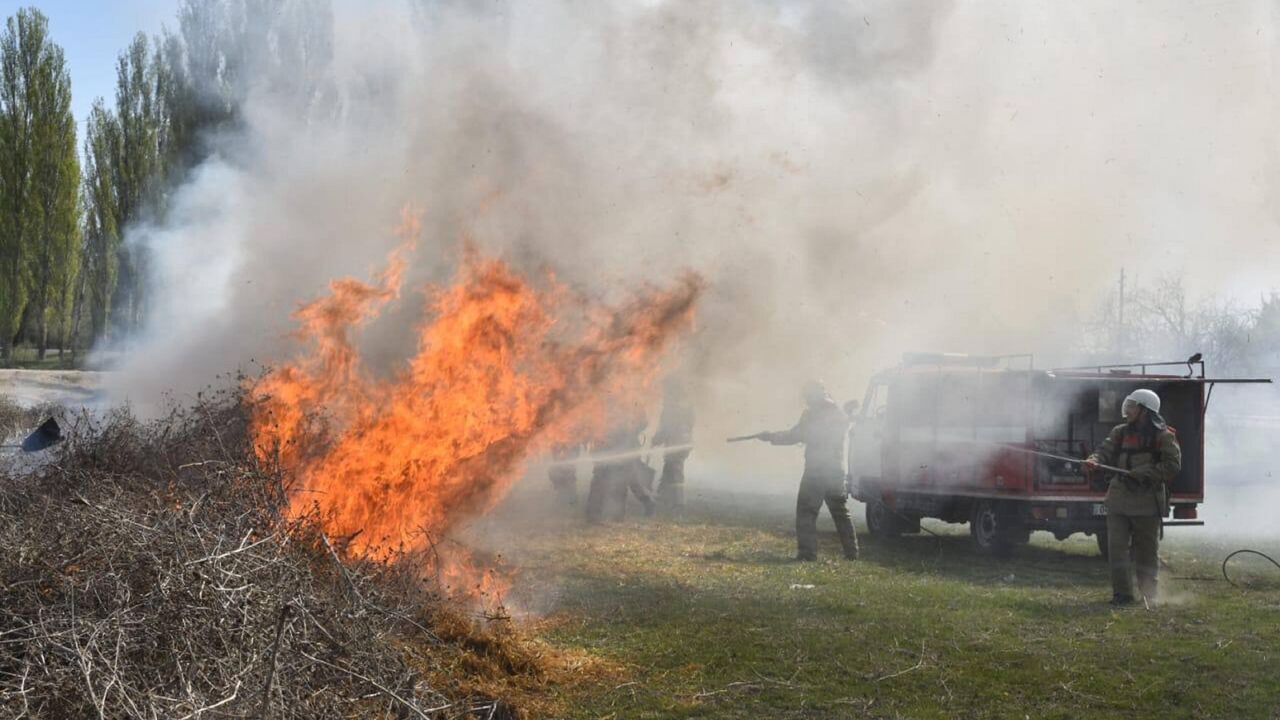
{"x": 93, "y": 33}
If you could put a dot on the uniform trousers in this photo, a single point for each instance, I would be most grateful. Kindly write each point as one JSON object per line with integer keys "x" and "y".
{"x": 1141, "y": 535}
{"x": 815, "y": 491}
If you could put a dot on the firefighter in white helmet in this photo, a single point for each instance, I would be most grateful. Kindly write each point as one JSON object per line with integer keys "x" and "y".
{"x": 1138, "y": 499}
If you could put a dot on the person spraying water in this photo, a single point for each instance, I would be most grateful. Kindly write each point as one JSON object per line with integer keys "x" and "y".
{"x": 821, "y": 429}
{"x": 1146, "y": 451}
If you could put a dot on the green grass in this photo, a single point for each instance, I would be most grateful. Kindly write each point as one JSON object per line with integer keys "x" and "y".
{"x": 709, "y": 618}
{"x": 27, "y": 358}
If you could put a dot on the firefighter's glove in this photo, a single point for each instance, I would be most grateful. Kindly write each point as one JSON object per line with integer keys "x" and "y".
{"x": 1089, "y": 468}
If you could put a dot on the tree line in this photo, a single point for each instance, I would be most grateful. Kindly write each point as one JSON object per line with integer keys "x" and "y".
{"x": 1162, "y": 320}
{"x": 69, "y": 275}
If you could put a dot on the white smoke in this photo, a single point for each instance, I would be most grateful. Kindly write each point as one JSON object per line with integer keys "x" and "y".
{"x": 854, "y": 179}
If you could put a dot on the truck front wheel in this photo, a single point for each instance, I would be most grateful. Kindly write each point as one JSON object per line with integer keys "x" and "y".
{"x": 881, "y": 521}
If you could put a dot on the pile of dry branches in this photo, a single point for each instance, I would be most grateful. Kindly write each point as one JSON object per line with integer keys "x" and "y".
{"x": 147, "y": 572}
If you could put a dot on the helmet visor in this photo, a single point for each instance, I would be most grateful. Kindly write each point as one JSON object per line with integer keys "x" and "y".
{"x": 1128, "y": 407}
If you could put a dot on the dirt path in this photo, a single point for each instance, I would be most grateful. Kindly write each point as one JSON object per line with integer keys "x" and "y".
{"x": 67, "y": 387}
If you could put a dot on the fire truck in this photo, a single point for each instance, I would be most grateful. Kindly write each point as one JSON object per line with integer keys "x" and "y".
{"x": 996, "y": 443}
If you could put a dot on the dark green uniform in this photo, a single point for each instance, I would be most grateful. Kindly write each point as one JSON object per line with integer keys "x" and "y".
{"x": 564, "y": 476}
{"x": 675, "y": 427}
{"x": 610, "y": 480}
{"x": 1137, "y": 503}
{"x": 822, "y": 429}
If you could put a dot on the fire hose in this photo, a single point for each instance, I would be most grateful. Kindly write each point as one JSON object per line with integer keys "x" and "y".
{"x": 625, "y": 455}
{"x": 1002, "y": 446}
{"x": 1244, "y": 551}
{"x": 1041, "y": 453}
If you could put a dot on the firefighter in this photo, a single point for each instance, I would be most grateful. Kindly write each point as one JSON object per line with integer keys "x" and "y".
{"x": 1137, "y": 502}
{"x": 675, "y": 427}
{"x": 563, "y": 475}
{"x": 821, "y": 429}
{"x": 612, "y": 479}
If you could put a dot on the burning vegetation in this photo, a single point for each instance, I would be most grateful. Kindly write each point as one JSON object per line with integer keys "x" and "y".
{"x": 273, "y": 550}
{"x": 503, "y": 370}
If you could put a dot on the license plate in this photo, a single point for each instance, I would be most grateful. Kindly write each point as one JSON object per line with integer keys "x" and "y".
{"x": 1099, "y": 509}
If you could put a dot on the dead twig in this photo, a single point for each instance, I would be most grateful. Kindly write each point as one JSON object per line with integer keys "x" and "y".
{"x": 274, "y": 652}
{"x": 218, "y": 704}
{"x": 385, "y": 690}
{"x": 913, "y": 668}
{"x": 727, "y": 688}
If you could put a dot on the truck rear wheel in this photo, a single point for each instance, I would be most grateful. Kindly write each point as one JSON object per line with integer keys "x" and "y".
{"x": 995, "y": 532}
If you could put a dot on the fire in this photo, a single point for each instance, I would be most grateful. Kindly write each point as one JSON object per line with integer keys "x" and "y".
{"x": 503, "y": 369}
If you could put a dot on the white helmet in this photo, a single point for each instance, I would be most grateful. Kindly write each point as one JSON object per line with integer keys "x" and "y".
{"x": 1146, "y": 398}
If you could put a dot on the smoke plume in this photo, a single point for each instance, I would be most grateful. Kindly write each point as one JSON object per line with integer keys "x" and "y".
{"x": 852, "y": 179}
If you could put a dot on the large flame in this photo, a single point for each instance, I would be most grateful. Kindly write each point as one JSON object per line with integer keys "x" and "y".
{"x": 503, "y": 369}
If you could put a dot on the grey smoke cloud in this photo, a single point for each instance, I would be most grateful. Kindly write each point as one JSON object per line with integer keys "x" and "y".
{"x": 853, "y": 179}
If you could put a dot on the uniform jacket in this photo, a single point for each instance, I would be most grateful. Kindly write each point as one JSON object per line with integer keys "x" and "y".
{"x": 623, "y": 437}
{"x": 675, "y": 426}
{"x": 1153, "y": 456}
{"x": 822, "y": 429}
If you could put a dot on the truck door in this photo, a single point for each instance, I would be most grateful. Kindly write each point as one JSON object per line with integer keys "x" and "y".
{"x": 866, "y": 433}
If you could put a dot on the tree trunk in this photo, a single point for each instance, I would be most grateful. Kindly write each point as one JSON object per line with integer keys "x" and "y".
{"x": 60, "y": 340}
{"x": 76, "y": 308}
{"x": 42, "y": 329}
{"x": 23, "y": 331}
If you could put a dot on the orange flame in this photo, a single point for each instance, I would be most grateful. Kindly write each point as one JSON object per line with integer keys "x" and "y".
{"x": 502, "y": 371}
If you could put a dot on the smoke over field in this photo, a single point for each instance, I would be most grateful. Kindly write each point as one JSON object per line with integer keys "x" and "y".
{"x": 851, "y": 180}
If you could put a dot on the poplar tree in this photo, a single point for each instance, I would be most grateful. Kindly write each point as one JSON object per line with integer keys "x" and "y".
{"x": 101, "y": 219}
{"x": 177, "y": 97}
{"x": 55, "y": 186}
{"x": 39, "y": 177}
{"x": 136, "y": 169}
{"x": 19, "y": 52}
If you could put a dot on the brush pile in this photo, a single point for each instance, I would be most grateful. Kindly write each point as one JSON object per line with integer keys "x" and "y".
{"x": 146, "y": 571}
